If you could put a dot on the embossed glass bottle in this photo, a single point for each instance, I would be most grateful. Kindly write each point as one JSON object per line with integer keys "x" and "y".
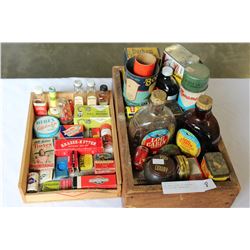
{"x": 153, "y": 125}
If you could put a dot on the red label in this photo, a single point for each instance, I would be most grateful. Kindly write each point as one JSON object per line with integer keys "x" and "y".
{"x": 40, "y": 109}
{"x": 98, "y": 181}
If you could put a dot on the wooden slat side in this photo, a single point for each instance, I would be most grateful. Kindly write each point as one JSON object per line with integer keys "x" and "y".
{"x": 125, "y": 158}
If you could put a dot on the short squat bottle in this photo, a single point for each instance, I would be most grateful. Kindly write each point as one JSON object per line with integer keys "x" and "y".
{"x": 153, "y": 125}
{"x": 198, "y": 130}
{"x": 166, "y": 82}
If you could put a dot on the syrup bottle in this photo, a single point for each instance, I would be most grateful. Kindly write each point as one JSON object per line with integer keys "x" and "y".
{"x": 198, "y": 130}
{"x": 153, "y": 125}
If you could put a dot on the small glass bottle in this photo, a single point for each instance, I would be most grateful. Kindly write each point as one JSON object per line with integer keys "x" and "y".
{"x": 166, "y": 82}
{"x": 53, "y": 109}
{"x": 39, "y": 102}
{"x": 78, "y": 93}
{"x": 66, "y": 116}
{"x": 103, "y": 96}
{"x": 198, "y": 129}
{"x": 153, "y": 125}
{"x": 91, "y": 93}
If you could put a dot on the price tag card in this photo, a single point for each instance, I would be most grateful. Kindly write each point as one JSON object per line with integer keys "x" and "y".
{"x": 177, "y": 187}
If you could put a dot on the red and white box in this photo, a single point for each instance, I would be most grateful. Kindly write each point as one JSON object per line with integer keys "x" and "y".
{"x": 82, "y": 146}
{"x": 104, "y": 167}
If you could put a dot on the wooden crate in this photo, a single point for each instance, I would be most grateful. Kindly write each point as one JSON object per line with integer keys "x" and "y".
{"x": 77, "y": 194}
{"x": 152, "y": 195}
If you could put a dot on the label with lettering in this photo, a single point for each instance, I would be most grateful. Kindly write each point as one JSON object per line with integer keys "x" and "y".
{"x": 188, "y": 143}
{"x": 187, "y": 99}
{"x": 156, "y": 139}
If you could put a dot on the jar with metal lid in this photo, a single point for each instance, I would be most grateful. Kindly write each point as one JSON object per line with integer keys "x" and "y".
{"x": 160, "y": 168}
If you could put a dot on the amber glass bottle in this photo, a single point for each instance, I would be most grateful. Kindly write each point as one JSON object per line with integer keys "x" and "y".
{"x": 198, "y": 130}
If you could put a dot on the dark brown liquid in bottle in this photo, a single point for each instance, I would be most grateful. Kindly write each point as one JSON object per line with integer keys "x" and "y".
{"x": 204, "y": 126}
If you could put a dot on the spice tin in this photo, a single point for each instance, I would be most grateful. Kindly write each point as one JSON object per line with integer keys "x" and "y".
{"x": 141, "y": 153}
{"x": 195, "y": 170}
{"x": 96, "y": 181}
{"x": 96, "y": 132}
{"x": 33, "y": 180}
{"x": 183, "y": 168}
{"x": 71, "y": 131}
{"x": 137, "y": 89}
{"x": 214, "y": 166}
{"x": 160, "y": 168}
{"x": 46, "y": 127}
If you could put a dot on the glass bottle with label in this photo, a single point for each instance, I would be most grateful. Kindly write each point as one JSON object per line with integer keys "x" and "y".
{"x": 153, "y": 125}
{"x": 39, "y": 102}
{"x": 91, "y": 93}
{"x": 53, "y": 108}
{"x": 78, "y": 93}
{"x": 198, "y": 130}
{"x": 166, "y": 82}
{"x": 103, "y": 96}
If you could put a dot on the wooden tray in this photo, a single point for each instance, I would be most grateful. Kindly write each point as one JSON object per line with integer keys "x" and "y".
{"x": 152, "y": 195}
{"x": 77, "y": 194}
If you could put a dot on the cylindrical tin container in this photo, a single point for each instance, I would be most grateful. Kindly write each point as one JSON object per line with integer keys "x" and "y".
{"x": 140, "y": 157}
{"x": 137, "y": 89}
{"x": 33, "y": 181}
{"x": 183, "y": 168}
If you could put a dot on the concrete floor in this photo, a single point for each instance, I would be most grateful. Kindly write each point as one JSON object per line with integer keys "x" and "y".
{"x": 42, "y": 60}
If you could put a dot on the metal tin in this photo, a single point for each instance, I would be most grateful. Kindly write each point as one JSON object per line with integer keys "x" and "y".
{"x": 195, "y": 170}
{"x": 46, "y": 127}
{"x": 214, "y": 166}
{"x": 33, "y": 180}
{"x": 160, "y": 168}
{"x": 170, "y": 150}
{"x": 141, "y": 153}
{"x": 183, "y": 169}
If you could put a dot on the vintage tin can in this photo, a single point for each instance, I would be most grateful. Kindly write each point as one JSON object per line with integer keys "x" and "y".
{"x": 33, "y": 181}
{"x": 141, "y": 154}
{"x": 96, "y": 132}
{"x": 195, "y": 170}
{"x": 46, "y": 127}
{"x": 214, "y": 166}
{"x": 183, "y": 168}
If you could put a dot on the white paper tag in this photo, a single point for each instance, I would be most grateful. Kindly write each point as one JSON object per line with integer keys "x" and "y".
{"x": 177, "y": 187}
{"x": 158, "y": 161}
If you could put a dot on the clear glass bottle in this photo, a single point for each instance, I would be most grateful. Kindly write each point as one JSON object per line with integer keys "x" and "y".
{"x": 166, "y": 82}
{"x": 198, "y": 129}
{"x": 39, "y": 102}
{"x": 153, "y": 125}
{"x": 91, "y": 93}
{"x": 78, "y": 93}
{"x": 103, "y": 96}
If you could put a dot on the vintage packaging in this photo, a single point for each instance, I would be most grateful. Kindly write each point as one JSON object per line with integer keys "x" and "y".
{"x": 71, "y": 131}
{"x": 33, "y": 182}
{"x": 46, "y": 127}
{"x": 94, "y": 122}
{"x": 61, "y": 169}
{"x": 45, "y": 175}
{"x": 103, "y": 157}
{"x": 85, "y": 111}
{"x": 42, "y": 154}
{"x": 104, "y": 167}
{"x": 214, "y": 166}
{"x": 95, "y": 132}
{"x": 131, "y": 52}
{"x": 82, "y": 146}
{"x": 96, "y": 181}
{"x": 57, "y": 185}
{"x": 131, "y": 110}
{"x": 195, "y": 170}
{"x": 182, "y": 167}
{"x": 86, "y": 164}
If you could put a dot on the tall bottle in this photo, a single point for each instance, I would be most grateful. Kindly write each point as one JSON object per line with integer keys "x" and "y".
{"x": 198, "y": 130}
{"x": 53, "y": 108}
{"x": 153, "y": 125}
{"x": 166, "y": 82}
{"x": 78, "y": 93}
{"x": 39, "y": 102}
{"x": 91, "y": 93}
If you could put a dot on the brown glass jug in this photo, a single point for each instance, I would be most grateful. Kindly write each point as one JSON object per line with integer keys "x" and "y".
{"x": 198, "y": 131}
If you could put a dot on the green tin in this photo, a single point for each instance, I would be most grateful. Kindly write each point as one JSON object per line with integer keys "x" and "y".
{"x": 195, "y": 77}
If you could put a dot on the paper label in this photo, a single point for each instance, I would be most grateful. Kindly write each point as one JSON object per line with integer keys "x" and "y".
{"x": 180, "y": 187}
{"x": 131, "y": 89}
{"x": 158, "y": 161}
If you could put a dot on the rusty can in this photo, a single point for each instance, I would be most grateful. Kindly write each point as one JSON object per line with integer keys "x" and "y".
{"x": 141, "y": 154}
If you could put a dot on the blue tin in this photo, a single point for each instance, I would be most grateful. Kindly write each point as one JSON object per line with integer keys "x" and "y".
{"x": 46, "y": 127}
{"x": 137, "y": 89}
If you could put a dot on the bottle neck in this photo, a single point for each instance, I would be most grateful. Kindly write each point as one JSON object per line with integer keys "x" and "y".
{"x": 203, "y": 114}
{"x": 156, "y": 109}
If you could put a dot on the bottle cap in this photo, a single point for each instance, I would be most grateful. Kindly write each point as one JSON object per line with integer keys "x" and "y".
{"x": 38, "y": 90}
{"x": 167, "y": 71}
{"x": 78, "y": 83}
{"x": 158, "y": 97}
{"x": 103, "y": 87}
{"x": 91, "y": 83}
{"x": 52, "y": 89}
{"x": 204, "y": 102}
